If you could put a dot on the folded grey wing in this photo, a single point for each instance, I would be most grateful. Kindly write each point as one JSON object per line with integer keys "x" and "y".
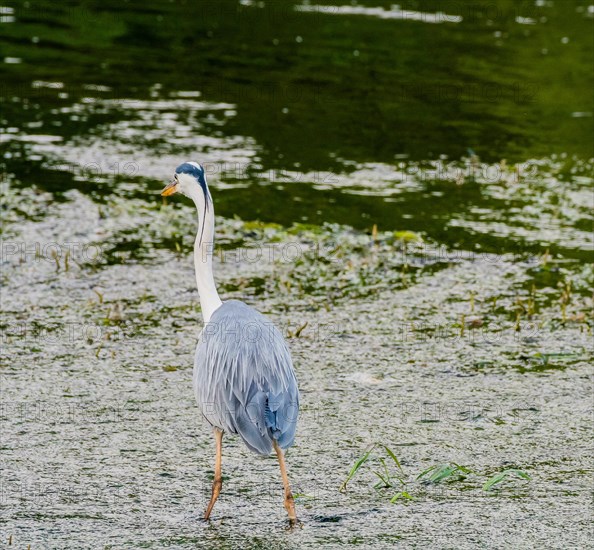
{"x": 244, "y": 381}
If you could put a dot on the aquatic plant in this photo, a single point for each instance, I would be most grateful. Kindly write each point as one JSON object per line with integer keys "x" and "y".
{"x": 391, "y": 475}
{"x": 500, "y": 476}
{"x": 441, "y": 472}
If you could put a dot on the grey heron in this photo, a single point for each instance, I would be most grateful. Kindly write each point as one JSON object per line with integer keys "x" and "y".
{"x": 243, "y": 373}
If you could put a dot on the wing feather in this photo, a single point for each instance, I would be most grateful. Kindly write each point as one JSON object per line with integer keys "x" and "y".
{"x": 244, "y": 379}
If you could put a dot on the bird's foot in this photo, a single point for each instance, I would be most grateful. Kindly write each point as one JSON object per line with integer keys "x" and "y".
{"x": 290, "y": 507}
{"x": 293, "y": 524}
{"x": 216, "y": 490}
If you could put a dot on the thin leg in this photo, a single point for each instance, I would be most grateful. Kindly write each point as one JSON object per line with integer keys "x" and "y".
{"x": 218, "y": 477}
{"x": 289, "y": 502}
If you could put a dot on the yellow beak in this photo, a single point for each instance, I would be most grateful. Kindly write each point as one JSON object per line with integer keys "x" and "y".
{"x": 170, "y": 189}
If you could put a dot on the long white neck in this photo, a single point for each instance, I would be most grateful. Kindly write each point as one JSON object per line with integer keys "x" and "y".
{"x": 203, "y": 252}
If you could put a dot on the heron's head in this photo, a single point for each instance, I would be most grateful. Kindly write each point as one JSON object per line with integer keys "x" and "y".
{"x": 189, "y": 180}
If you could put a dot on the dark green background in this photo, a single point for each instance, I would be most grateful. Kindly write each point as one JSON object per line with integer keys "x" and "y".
{"x": 415, "y": 90}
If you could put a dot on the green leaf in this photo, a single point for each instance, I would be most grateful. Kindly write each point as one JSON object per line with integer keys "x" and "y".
{"x": 393, "y": 457}
{"x": 385, "y": 481}
{"x": 463, "y": 468}
{"x": 500, "y": 476}
{"x": 355, "y": 468}
{"x": 407, "y": 236}
{"x": 401, "y": 494}
{"x": 425, "y": 472}
{"x": 494, "y": 480}
{"x": 443, "y": 471}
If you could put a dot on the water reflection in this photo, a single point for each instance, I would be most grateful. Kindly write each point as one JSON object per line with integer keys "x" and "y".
{"x": 313, "y": 121}
{"x": 394, "y": 13}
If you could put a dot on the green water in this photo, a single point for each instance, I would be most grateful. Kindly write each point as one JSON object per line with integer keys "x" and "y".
{"x": 315, "y": 91}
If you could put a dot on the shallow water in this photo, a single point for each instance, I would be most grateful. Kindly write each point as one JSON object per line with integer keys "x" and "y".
{"x": 459, "y": 330}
